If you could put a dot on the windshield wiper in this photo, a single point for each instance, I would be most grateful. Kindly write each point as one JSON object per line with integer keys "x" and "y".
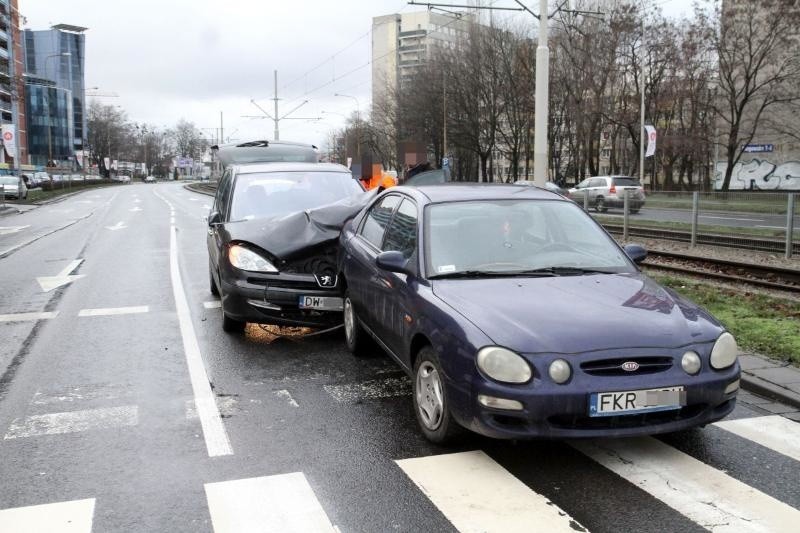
{"x": 560, "y": 271}
{"x": 490, "y": 274}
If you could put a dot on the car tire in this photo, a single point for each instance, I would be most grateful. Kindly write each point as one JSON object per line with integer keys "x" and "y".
{"x": 600, "y": 205}
{"x": 212, "y": 285}
{"x": 355, "y": 337}
{"x": 431, "y": 404}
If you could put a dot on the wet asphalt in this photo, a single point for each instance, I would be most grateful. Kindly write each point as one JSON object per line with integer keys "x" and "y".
{"x": 280, "y": 399}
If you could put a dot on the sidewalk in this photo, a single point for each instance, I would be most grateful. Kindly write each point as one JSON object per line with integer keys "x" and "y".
{"x": 772, "y": 379}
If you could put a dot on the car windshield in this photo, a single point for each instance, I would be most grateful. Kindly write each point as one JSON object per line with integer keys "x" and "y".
{"x": 525, "y": 237}
{"x": 275, "y": 194}
{"x": 8, "y": 180}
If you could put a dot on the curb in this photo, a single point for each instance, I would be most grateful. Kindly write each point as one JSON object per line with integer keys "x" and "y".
{"x": 195, "y": 188}
{"x": 770, "y": 390}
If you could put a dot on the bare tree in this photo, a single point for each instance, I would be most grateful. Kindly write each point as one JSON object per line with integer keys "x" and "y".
{"x": 756, "y": 42}
{"x": 188, "y": 140}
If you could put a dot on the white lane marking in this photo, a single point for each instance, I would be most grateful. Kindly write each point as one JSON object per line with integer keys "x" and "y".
{"x": 172, "y": 220}
{"x": 774, "y": 432}
{"x": 227, "y": 406}
{"x": 9, "y": 251}
{"x": 283, "y": 393}
{"x": 135, "y": 209}
{"x": 370, "y": 390}
{"x": 700, "y": 492}
{"x": 63, "y": 517}
{"x": 24, "y": 317}
{"x": 6, "y": 230}
{"x": 83, "y": 202}
{"x": 216, "y": 438}
{"x": 136, "y": 200}
{"x": 206, "y": 206}
{"x": 214, "y": 304}
{"x": 478, "y": 495}
{"x": 82, "y": 393}
{"x": 118, "y": 225}
{"x": 110, "y": 311}
{"x": 192, "y": 199}
{"x": 734, "y": 218}
{"x": 73, "y": 422}
{"x": 284, "y": 503}
{"x": 48, "y": 283}
{"x": 772, "y": 227}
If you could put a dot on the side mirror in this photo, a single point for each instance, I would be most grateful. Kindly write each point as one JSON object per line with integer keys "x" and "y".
{"x": 214, "y": 218}
{"x": 636, "y": 253}
{"x": 393, "y": 262}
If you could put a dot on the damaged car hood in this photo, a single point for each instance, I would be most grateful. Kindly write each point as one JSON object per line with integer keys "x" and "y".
{"x": 289, "y": 236}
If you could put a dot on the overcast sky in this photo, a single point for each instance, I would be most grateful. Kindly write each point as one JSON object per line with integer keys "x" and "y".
{"x": 172, "y": 59}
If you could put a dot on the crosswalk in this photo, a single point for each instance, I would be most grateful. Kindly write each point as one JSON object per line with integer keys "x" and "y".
{"x": 475, "y": 493}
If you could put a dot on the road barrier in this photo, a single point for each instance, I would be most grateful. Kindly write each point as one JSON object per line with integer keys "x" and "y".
{"x": 749, "y": 220}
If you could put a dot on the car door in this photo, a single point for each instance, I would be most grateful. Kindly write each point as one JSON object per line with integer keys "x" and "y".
{"x": 581, "y": 190}
{"x": 395, "y": 292}
{"x": 214, "y": 238}
{"x": 362, "y": 274}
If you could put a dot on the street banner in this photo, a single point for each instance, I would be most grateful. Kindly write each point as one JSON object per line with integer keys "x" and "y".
{"x": 10, "y": 139}
{"x": 349, "y": 162}
{"x": 651, "y": 140}
{"x": 107, "y": 162}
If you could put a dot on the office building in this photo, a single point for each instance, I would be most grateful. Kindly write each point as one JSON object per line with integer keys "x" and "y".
{"x": 57, "y": 55}
{"x": 12, "y": 93}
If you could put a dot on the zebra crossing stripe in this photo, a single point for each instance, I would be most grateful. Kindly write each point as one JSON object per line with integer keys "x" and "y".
{"x": 62, "y": 517}
{"x": 478, "y": 495}
{"x": 700, "y": 492}
{"x": 73, "y": 422}
{"x": 284, "y": 503}
{"x": 774, "y": 432}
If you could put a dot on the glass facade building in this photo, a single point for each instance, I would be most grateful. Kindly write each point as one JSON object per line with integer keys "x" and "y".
{"x": 57, "y": 55}
{"x": 50, "y": 127}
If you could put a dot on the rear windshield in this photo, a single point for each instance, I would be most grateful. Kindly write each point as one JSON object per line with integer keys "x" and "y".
{"x": 276, "y": 194}
{"x": 627, "y": 182}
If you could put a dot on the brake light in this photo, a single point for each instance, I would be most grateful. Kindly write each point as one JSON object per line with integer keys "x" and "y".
{"x": 613, "y": 189}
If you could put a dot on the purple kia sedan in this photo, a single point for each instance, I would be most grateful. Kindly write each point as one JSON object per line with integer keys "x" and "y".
{"x": 517, "y": 316}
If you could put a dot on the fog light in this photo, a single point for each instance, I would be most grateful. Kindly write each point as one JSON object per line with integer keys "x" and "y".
{"x": 733, "y": 387}
{"x": 560, "y": 371}
{"x": 499, "y": 403}
{"x": 691, "y": 363}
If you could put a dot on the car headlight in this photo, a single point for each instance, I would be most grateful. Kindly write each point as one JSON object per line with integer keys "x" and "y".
{"x": 503, "y": 365}
{"x": 725, "y": 352}
{"x": 245, "y": 259}
{"x": 691, "y": 363}
{"x": 560, "y": 371}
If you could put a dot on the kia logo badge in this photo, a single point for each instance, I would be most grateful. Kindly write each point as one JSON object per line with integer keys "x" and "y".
{"x": 630, "y": 366}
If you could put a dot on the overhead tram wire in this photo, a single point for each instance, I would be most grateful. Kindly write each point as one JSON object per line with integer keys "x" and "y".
{"x": 368, "y": 63}
{"x": 333, "y": 56}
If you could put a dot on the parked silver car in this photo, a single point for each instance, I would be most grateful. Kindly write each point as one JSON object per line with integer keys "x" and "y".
{"x": 609, "y": 191}
{"x": 13, "y": 187}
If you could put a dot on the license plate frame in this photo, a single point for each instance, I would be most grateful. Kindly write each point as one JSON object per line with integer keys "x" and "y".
{"x": 598, "y": 401}
{"x": 320, "y": 303}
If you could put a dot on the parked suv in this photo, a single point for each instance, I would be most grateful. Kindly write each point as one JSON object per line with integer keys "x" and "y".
{"x": 609, "y": 191}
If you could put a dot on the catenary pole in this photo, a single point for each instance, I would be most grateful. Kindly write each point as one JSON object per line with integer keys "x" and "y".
{"x": 542, "y": 96}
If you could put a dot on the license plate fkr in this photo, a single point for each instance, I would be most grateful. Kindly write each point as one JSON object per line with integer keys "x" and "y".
{"x": 636, "y": 401}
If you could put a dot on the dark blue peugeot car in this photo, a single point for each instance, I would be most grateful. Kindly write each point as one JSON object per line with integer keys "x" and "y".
{"x": 516, "y": 315}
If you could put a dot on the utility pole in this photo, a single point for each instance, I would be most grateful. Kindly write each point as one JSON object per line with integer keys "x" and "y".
{"x": 275, "y": 116}
{"x": 641, "y": 119}
{"x": 277, "y": 133}
{"x": 221, "y": 132}
{"x": 541, "y": 111}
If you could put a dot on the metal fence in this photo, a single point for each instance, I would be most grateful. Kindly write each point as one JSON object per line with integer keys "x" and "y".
{"x": 764, "y": 221}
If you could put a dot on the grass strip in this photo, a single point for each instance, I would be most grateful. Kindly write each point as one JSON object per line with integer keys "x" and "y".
{"x": 762, "y": 324}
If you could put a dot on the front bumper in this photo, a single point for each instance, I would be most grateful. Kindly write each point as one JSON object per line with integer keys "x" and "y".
{"x": 274, "y": 299}
{"x": 562, "y": 411}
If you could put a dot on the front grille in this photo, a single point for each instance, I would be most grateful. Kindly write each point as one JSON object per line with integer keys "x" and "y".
{"x": 294, "y": 285}
{"x": 625, "y": 421}
{"x": 613, "y": 367}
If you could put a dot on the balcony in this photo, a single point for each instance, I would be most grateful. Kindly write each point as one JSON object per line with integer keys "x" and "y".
{"x": 4, "y": 35}
{"x": 4, "y": 54}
